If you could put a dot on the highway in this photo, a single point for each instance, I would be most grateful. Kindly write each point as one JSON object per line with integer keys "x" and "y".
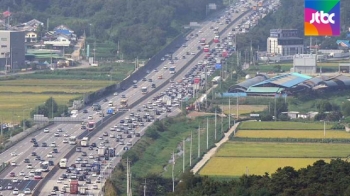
{"x": 24, "y": 148}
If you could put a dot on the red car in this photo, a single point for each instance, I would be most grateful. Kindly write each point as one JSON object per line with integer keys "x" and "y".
{"x": 12, "y": 174}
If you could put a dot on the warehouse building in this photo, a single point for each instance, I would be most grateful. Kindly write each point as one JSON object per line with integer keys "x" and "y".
{"x": 243, "y": 86}
{"x": 305, "y": 63}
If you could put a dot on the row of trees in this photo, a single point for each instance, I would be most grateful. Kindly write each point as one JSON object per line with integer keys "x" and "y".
{"x": 50, "y": 109}
{"x": 321, "y": 178}
{"x": 140, "y": 27}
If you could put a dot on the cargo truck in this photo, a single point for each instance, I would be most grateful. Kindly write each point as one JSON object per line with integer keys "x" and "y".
{"x": 101, "y": 152}
{"x": 111, "y": 110}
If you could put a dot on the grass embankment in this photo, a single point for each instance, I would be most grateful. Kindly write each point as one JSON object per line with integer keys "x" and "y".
{"x": 153, "y": 156}
{"x": 244, "y": 155}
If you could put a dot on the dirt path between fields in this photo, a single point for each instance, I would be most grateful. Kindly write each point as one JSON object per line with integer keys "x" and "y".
{"x": 212, "y": 151}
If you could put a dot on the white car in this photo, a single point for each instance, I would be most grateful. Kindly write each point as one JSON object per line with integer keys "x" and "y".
{"x": 22, "y": 174}
{"x": 91, "y": 156}
{"x": 26, "y": 178}
{"x": 29, "y": 166}
{"x": 57, "y": 135}
{"x": 15, "y": 191}
{"x": 53, "y": 144}
{"x": 27, "y": 191}
{"x": 112, "y": 136}
{"x": 15, "y": 180}
{"x": 66, "y": 135}
{"x": 90, "y": 117}
{"x": 13, "y": 154}
{"x": 65, "y": 141}
{"x": 115, "y": 94}
{"x": 46, "y": 130}
{"x": 94, "y": 186}
{"x": 13, "y": 163}
{"x": 49, "y": 155}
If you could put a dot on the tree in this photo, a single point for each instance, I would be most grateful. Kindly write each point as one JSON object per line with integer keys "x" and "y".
{"x": 51, "y": 106}
{"x": 346, "y": 108}
{"x": 281, "y": 106}
{"x": 323, "y": 106}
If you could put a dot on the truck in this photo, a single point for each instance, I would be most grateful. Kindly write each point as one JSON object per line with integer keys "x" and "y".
{"x": 216, "y": 39}
{"x": 111, "y": 110}
{"x": 111, "y": 152}
{"x": 101, "y": 151}
{"x": 84, "y": 142}
{"x": 144, "y": 90}
{"x": 63, "y": 163}
{"x": 96, "y": 106}
{"x": 123, "y": 103}
{"x": 172, "y": 70}
{"x": 206, "y": 48}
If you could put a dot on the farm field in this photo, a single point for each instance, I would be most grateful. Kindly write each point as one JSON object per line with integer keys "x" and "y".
{"x": 255, "y": 125}
{"x": 319, "y": 134}
{"x": 285, "y": 150}
{"x": 53, "y": 85}
{"x": 18, "y": 96}
{"x": 242, "y": 109}
{"x": 236, "y": 167}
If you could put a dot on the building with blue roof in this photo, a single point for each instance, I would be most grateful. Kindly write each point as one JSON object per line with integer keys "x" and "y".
{"x": 287, "y": 80}
{"x": 343, "y": 43}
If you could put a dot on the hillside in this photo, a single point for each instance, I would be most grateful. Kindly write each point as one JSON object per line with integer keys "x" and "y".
{"x": 142, "y": 27}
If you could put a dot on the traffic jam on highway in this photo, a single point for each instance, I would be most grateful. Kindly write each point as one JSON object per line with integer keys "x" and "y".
{"x": 85, "y": 171}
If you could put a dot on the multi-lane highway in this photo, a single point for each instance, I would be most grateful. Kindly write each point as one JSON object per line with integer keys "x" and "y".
{"x": 23, "y": 150}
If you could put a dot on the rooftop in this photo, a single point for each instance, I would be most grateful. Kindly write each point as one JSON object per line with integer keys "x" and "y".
{"x": 285, "y": 80}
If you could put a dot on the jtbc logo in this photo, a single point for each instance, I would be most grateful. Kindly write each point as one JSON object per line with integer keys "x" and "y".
{"x": 316, "y": 17}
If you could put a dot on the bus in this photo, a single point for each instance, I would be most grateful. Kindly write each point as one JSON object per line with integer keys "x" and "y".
{"x": 123, "y": 103}
{"x": 74, "y": 113}
{"x": 206, "y": 48}
{"x": 91, "y": 126}
{"x": 84, "y": 142}
{"x": 144, "y": 90}
{"x": 172, "y": 70}
{"x": 37, "y": 174}
{"x": 63, "y": 163}
{"x": 72, "y": 140}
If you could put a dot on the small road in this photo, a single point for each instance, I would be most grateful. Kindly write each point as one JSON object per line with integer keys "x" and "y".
{"x": 212, "y": 151}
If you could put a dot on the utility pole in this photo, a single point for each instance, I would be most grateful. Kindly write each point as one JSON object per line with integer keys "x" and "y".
{"x": 199, "y": 141}
{"x": 172, "y": 172}
{"x": 324, "y": 128}
{"x": 237, "y": 107}
{"x": 275, "y": 109}
{"x": 207, "y": 134}
{"x": 127, "y": 177}
{"x": 191, "y": 148}
{"x": 222, "y": 128}
{"x": 215, "y": 124}
{"x": 229, "y": 112}
{"x": 144, "y": 188}
{"x": 206, "y": 87}
{"x": 183, "y": 157}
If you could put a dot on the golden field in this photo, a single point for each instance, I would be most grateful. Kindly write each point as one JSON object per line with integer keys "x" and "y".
{"x": 242, "y": 109}
{"x": 318, "y": 134}
{"x": 230, "y": 167}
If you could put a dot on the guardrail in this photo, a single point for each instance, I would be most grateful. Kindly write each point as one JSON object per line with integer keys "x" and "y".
{"x": 101, "y": 124}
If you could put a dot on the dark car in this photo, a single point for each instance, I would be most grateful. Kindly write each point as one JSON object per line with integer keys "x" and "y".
{"x": 88, "y": 181}
{"x": 33, "y": 140}
{"x": 85, "y": 111}
{"x": 51, "y": 163}
{"x": 93, "y": 145}
{"x": 55, "y": 150}
{"x": 33, "y": 153}
{"x": 44, "y": 144}
{"x": 26, "y": 161}
{"x": 35, "y": 145}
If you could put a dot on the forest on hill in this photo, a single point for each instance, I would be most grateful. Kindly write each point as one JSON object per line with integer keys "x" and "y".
{"x": 142, "y": 27}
